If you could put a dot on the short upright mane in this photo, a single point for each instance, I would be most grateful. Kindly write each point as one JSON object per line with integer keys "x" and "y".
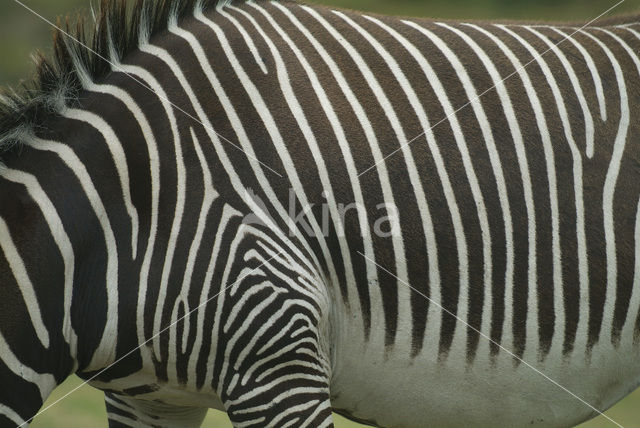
{"x": 118, "y": 28}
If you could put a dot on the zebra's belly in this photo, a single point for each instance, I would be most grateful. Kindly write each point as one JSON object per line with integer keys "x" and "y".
{"x": 391, "y": 391}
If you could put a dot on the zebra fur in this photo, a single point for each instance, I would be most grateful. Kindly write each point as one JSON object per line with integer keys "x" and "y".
{"x": 280, "y": 210}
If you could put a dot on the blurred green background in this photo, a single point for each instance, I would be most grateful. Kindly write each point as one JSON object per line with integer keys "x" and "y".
{"x": 21, "y": 33}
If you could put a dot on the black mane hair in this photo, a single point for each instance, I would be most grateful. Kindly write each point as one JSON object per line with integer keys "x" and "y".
{"x": 115, "y": 30}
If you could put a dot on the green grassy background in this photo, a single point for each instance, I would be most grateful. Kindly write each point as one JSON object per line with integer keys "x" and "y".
{"x": 85, "y": 408}
{"x": 21, "y": 33}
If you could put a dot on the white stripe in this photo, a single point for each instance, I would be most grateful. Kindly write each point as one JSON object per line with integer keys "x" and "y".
{"x": 303, "y": 123}
{"x": 496, "y": 166}
{"x": 625, "y": 46}
{"x": 11, "y": 415}
{"x": 274, "y": 133}
{"x": 290, "y": 363}
{"x": 419, "y": 193}
{"x": 316, "y": 293}
{"x": 634, "y": 301}
{"x": 629, "y": 326}
{"x": 61, "y": 239}
{"x": 124, "y": 420}
{"x": 595, "y": 75}
{"x": 271, "y": 356}
{"x": 45, "y": 382}
{"x": 231, "y": 385}
{"x": 154, "y": 172}
{"x": 149, "y": 137}
{"x": 247, "y": 39}
{"x": 227, "y": 214}
{"x": 251, "y": 423}
{"x": 609, "y": 190}
{"x": 19, "y": 271}
{"x": 208, "y": 198}
{"x": 325, "y": 404}
{"x": 460, "y": 335}
{"x": 634, "y": 32}
{"x": 294, "y": 409}
{"x": 435, "y": 317}
{"x": 532, "y": 339}
{"x": 230, "y": 170}
{"x": 327, "y": 422}
{"x": 116, "y": 404}
{"x": 375, "y": 298}
{"x": 119, "y": 158}
{"x": 271, "y": 386}
{"x": 292, "y": 422}
{"x": 583, "y": 268}
{"x": 176, "y": 225}
{"x": 575, "y": 82}
{"x": 404, "y": 320}
{"x": 234, "y": 119}
{"x": 516, "y": 134}
{"x": 541, "y": 120}
{"x": 105, "y": 352}
{"x": 248, "y": 293}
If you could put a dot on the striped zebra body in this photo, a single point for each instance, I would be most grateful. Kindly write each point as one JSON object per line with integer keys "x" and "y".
{"x": 278, "y": 210}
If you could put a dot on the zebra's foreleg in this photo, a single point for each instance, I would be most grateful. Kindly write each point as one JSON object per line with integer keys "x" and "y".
{"x": 130, "y": 412}
{"x": 273, "y": 352}
{"x": 292, "y": 392}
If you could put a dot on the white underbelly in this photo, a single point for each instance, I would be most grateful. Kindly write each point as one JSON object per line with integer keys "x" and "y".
{"x": 394, "y": 392}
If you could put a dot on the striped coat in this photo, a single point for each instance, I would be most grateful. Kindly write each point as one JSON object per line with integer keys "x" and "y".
{"x": 279, "y": 210}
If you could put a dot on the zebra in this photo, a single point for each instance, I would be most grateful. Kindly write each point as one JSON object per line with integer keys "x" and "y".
{"x": 280, "y": 210}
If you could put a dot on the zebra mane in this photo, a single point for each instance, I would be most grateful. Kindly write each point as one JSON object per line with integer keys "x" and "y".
{"x": 116, "y": 29}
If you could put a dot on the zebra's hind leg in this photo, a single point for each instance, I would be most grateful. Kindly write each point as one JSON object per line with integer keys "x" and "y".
{"x": 130, "y": 412}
